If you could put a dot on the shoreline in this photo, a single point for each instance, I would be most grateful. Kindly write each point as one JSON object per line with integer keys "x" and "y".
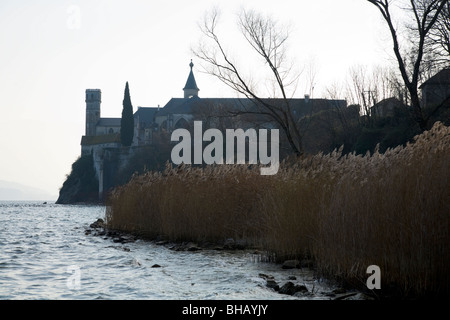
{"x": 383, "y": 214}
{"x": 341, "y": 290}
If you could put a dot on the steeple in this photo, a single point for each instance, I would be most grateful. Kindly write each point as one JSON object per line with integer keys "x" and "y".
{"x": 191, "y": 89}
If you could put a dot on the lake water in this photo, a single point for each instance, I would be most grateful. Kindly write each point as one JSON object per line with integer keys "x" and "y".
{"x": 45, "y": 254}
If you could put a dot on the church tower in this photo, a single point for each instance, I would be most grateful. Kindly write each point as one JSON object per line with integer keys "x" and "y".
{"x": 191, "y": 89}
{"x": 93, "y": 101}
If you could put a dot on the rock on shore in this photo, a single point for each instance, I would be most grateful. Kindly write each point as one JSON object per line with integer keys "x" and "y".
{"x": 98, "y": 228}
{"x": 288, "y": 288}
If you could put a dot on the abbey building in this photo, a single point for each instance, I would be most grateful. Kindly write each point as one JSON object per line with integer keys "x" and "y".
{"x": 180, "y": 113}
{"x": 105, "y": 132}
{"x": 102, "y": 135}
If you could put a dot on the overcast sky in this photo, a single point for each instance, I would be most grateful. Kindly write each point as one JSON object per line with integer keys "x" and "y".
{"x": 52, "y": 51}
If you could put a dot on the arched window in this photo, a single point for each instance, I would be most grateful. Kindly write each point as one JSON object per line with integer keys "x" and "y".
{"x": 182, "y": 123}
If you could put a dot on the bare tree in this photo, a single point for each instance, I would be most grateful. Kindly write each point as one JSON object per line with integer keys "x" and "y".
{"x": 360, "y": 89}
{"x": 441, "y": 34}
{"x": 426, "y": 14}
{"x": 437, "y": 45}
{"x": 335, "y": 92}
{"x": 268, "y": 40}
{"x": 311, "y": 75}
{"x": 368, "y": 87}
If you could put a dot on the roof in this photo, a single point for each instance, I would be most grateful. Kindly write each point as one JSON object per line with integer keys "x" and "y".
{"x": 440, "y": 78}
{"x": 391, "y": 102}
{"x": 109, "y": 122}
{"x": 178, "y": 106}
{"x": 187, "y": 105}
{"x": 387, "y": 106}
{"x": 190, "y": 83}
{"x": 145, "y": 115}
{"x": 301, "y": 107}
{"x": 105, "y": 138}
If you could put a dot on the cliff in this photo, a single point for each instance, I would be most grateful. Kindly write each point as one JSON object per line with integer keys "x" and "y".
{"x": 81, "y": 185}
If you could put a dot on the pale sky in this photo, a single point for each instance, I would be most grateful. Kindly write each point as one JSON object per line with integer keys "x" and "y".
{"x": 52, "y": 51}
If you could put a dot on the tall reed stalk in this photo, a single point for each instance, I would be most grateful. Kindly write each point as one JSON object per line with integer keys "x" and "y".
{"x": 346, "y": 212}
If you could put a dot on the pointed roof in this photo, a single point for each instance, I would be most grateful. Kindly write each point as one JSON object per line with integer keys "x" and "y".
{"x": 190, "y": 83}
{"x": 440, "y": 78}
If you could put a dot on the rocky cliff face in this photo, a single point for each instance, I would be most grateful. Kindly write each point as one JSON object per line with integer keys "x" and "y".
{"x": 95, "y": 174}
{"x": 81, "y": 185}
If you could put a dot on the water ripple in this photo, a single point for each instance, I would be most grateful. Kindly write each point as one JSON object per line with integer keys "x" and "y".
{"x": 44, "y": 250}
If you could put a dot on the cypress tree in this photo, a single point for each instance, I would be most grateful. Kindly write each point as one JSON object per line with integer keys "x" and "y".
{"x": 127, "y": 121}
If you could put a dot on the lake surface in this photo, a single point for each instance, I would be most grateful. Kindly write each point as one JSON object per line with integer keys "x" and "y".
{"x": 45, "y": 254}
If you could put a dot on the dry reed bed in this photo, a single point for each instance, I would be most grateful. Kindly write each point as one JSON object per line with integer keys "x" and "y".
{"x": 345, "y": 212}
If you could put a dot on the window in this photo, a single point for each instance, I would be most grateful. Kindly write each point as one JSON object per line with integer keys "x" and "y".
{"x": 182, "y": 123}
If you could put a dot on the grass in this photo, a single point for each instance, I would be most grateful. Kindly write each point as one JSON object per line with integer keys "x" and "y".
{"x": 345, "y": 212}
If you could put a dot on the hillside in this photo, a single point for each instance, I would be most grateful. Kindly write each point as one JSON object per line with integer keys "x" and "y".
{"x": 12, "y": 191}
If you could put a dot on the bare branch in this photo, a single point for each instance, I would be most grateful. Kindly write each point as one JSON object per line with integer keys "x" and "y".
{"x": 426, "y": 13}
{"x": 268, "y": 40}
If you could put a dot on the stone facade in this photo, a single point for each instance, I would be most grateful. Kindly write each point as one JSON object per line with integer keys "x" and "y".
{"x": 93, "y": 101}
{"x": 102, "y": 136}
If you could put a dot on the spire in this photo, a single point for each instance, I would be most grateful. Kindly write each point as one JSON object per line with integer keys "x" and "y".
{"x": 191, "y": 89}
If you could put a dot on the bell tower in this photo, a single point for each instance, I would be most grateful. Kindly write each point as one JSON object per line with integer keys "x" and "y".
{"x": 93, "y": 101}
{"x": 191, "y": 89}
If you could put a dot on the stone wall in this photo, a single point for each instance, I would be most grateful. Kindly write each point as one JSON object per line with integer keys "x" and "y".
{"x": 107, "y": 162}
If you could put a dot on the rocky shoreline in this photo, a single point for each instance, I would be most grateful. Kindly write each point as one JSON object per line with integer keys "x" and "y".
{"x": 291, "y": 287}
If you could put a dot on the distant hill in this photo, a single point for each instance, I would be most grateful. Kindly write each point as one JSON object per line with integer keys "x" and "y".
{"x": 16, "y": 191}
